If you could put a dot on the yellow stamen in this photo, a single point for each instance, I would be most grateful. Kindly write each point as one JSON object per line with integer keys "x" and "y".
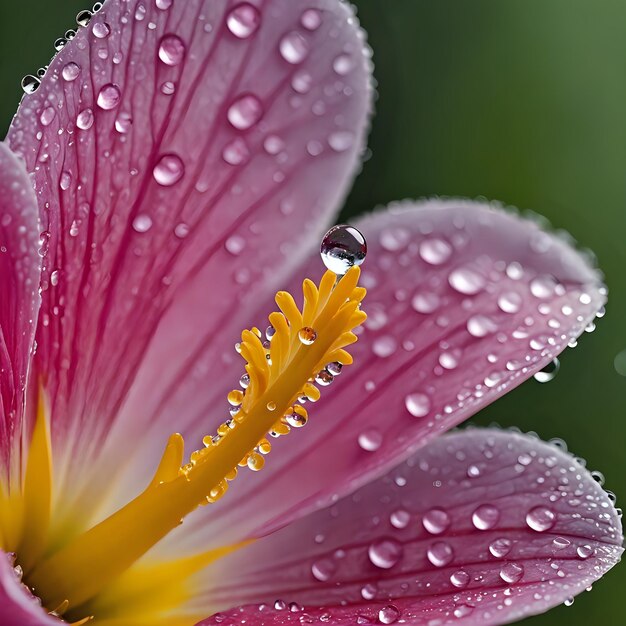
{"x": 303, "y": 344}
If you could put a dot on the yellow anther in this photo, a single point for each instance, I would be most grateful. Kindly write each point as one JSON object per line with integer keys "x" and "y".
{"x": 303, "y": 343}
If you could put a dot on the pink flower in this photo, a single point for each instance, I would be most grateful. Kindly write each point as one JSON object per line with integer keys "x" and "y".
{"x": 187, "y": 156}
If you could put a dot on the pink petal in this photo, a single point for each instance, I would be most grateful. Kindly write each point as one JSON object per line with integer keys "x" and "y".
{"x": 18, "y": 607}
{"x": 175, "y": 148}
{"x": 481, "y": 527}
{"x": 20, "y": 266}
{"x": 430, "y": 356}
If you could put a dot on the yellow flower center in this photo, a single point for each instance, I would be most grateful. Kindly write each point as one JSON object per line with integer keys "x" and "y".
{"x": 96, "y": 573}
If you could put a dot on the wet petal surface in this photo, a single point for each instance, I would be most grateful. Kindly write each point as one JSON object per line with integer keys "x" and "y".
{"x": 182, "y": 151}
{"x": 481, "y": 526}
{"x": 20, "y": 266}
{"x": 465, "y": 301}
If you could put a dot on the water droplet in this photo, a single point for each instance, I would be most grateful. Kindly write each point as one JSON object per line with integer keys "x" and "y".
{"x": 273, "y": 144}
{"x": 171, "y": 50}
{"x": 394, "y": 239}
{"x": 101, "y": 30}
{"x": 164, "y": 5}
{"x": 449, "y": 360}
{"x": 169, "y": 170}
{"x": 30, "y": 84}
{"x": 343, "y": 247}
{"x": 400, "y": 518}
{"x": 181, "y": 230}
{"x": 480, "y": 326}
{"x": 511, "y": 572}
{"x": 235, "y": 244}
{"x": 296, "y": 420}
{"x": 463, "y": 610}
{"x": 584, "y": 552}
{"x": 425, "y": 302}
{"x": 510, "y": 302}
{"x": 70, "y": 72}
{"x": 293, "y": 48}
{"x": 109, "y": 97}
{"x": 245, "y": 112}
{"x": 47, "y": 115}
{"x": 540, "y": 518}
{"x": 65, "y": 181}
{"x": 59, "y": 44}
{"x": 244, "y": 20}
{"x": 549, "y": 372}
{"x": 368, "y": 592}
{"x": 440, "y": 554}
{"x": 311, "y": 19}
{"x": 543, "y": 286}
{"x": 383, "y": 347}
{"x": 435, "y": 251}
{"x": 324, "y": 378}
{"x": 485, "y": 517}
{"x": 560, "y": 543}
{"x": 341, "y": 140}
{"x": 466, "y": 281}
{"x": 307, "y": 335}
{"x": 123, "y": 123}
{"x": 142, "y": 223}
{"x": 417, "y": 404}
{"x": 385, "y": 553}
{"x": 436, "y": 521}
{"x": 388, "y": 614}
{"x": 323, "y": 569}
{"x": 85, "y": 119}
{"x": 460, "y": 579}
{"x": 236, "y": 152}
{"x": 500, "y": 547}
{"x": 370, "y": 440}
{"x": 83, "y": 18}
{"x": 343, "y": 64}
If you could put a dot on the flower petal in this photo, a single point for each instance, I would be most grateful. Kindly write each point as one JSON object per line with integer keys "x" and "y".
{"x": 465, "y": 302}
{"x": 20, "y": 266}
{"x": 481, "y": 526}
{"x": 18, "y": 607}
{"x": 175, "y": 147}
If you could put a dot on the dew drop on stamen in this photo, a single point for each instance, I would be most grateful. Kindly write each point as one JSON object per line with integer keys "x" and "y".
{"x": 549, "y": 372}
{"x": 169, "y": 170}
{"x": 171, "y": 50}
{"x": 307, "y": 335}
{"x": 385, "y": 553}
{"x": 343, "y": 247}
{"x": 244, "y": 20}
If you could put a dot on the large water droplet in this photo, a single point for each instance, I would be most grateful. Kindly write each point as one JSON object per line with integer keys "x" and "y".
{"x": 440, "y": 554}
{"x": 169, "y": 170}
{"x": 510, "y": 302}
{"x": 500, "y": 547}
{"x": 480, "y": 326}
{"x": 47, "y": 115}
{"x": 388, "y": 614}
{"x": 548, "y": 372}
{"x": 244, "y": 20}
{"x": 543, "y": 286}
{"x": 171, "y": 50}
{"x": 236, "y": 152}
{"x": 343, "y": 247}
{"x": 486, "y": 516}
{"x": 245, "y": 112}
{"x": 307, "y": 335}
{"x": 436, "y": 521}
{"x": 511, "y": 572}
{"x": 341, "y": 140}
{"x": 385, "y": 553}
{"x": 370, "y": 440}
{"x": 83, "y": 18}
{"x": 109, "y": 97}
{"x": 584, "y": 552}
{"x": 164, "y": 5}
{"x": 460, "y": 579}
{"x": 70, "y": 72}
{"x": 435, "y": 251}
{"x": 123, "y": 123}
{"x": 400, "y": 518}
{"x": 466, "y": 281}
{"x": 142, "y": 223}
{"x": 293, "y": 48}
{"x": 417, "y": 404}
{"x": 323, "y": 569}
{"x": 541, "y": 518}
{"x": 85, "y": 119}
{"x": 30, "y": 84}
{"x": 311, "y": 19}
{"x": 101, "y": 30}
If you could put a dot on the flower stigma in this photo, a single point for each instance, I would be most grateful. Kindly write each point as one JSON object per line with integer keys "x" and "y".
{"x": 88, "y": 574}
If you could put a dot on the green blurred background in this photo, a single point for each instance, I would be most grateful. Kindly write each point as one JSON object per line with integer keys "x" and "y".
{"x": 524, "y": 102}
